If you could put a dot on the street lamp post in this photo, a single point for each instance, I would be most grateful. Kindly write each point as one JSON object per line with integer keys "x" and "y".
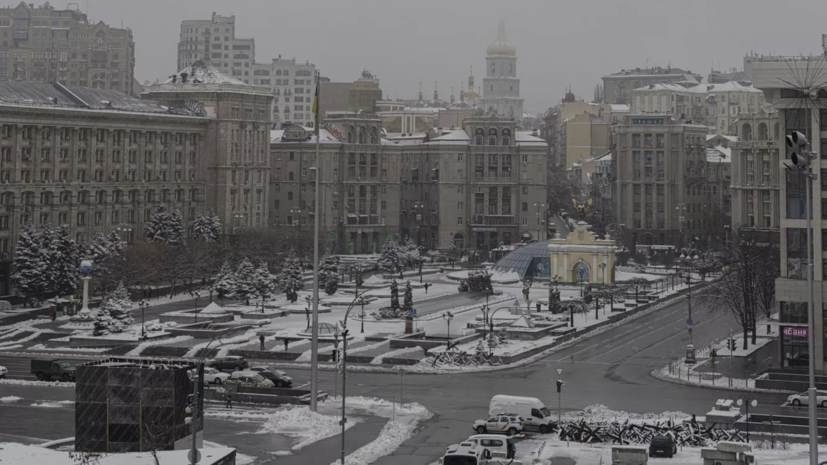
{"x": 448, "y": 316}
{"x": 143, "y": 304}
{"x": 362, "y": 303}
{"x": 125, "y": 229}
{"x": 747, "y": 400}
{"x": 539, "y": 205}
{"x": 86, "y": 270}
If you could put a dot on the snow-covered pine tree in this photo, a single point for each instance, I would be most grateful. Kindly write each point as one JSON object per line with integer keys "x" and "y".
{"x": 214, "y": 225}
{"x": 290, "y": 279}
{"x": 410, "y": 252}
{"x": 65, "y": 262}
{"x": 394, "y": 295}
{"x": 389, "y": 259}
{"x": 118, "y": 305}
{"x": 263, "y": 282}
{"x": 116, "y": 245}
{"x": 47, "y": 255}
{"x": 177, "y": 233}
{"x": 157, "y": 229}
{"x": 329, "y": 274}
{"x": 225, "y": 282}
{"x": 102, "y": 321}
{"x": 28, "y": 265}
{"x": 201, "y": 230}
{"x": 99, "y": 250}
{"x": 245, "y": 276}
{"x": 408, "y": 302}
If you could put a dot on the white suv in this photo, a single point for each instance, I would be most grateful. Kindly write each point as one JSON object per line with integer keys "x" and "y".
{"x": 503, "y": 423}
{"x": 214, "y": 376}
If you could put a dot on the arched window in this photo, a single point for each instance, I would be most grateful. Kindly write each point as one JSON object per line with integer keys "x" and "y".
{"x": 372, "y": 138}
{"x": 291, "y": 176}
{"x": 349, "y": 137}
{"x": 479, "y": 140}
{"x": 509, "y": 68}
{"x": 506, "y": 140}
{"x": 493, "y": 68}
{"x": 492, "y": 140}
{"x": 361, "y": 137}
{"x": 286, "y": 72}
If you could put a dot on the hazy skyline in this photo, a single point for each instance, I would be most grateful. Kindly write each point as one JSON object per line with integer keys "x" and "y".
{"x": 559, "y": 43}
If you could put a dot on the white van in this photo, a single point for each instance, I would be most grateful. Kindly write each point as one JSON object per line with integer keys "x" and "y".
{"x": 533, "y": 413}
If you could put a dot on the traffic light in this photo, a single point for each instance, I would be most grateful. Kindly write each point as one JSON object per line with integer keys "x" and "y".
{"x": 191, "y": 402}
{"x": 560, "y": 384}
{"x": 334, "y": 354}
{"x": 730, "y": 344}
{"x": 797, "y": 143}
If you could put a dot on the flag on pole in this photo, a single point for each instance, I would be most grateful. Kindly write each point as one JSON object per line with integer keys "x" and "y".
{"x": 316, "y": 108}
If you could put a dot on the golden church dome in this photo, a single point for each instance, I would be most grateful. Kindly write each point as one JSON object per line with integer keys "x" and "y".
{"x": 501, "y": 47}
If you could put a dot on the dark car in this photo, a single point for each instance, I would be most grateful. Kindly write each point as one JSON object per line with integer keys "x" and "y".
{"x": 663, "y": 446}
{"x": 278, "y": 377}
{"x": 232, "y": 363}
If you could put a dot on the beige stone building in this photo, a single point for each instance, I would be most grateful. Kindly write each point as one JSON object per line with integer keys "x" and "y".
{"x": 44, "y": 45}
{"x": 660, "y": 181}
{"x": 96, "y": 160}
{"x": 237, "y": 139}
{"x": 771, "y": 75}
{"x": 755, "y": 173}
{"x": 360, "y": 190}
{"x": 730, "y": 102}
{"x": 687, "y": 101}
{"x": 618, "y": 87}
{"x": 474, "y": 187}
{"x": 583, "y": 136}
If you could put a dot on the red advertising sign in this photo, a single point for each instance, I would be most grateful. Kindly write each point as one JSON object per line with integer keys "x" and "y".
{"x": 793, "y": 331}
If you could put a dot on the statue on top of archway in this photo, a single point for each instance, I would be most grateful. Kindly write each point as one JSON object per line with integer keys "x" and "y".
{"x": 581, "y": 208}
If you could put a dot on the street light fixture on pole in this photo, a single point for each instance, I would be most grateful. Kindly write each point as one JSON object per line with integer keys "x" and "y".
{"x": 297, "y": 222}
{"x": 801, "y": 157}
{"x": 747, "y": 400}
{"x": 143, "y": 304}
{"x": 448, "y": 316}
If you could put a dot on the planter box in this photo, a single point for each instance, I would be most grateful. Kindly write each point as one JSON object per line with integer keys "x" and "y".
{"x": 265, "y": 355}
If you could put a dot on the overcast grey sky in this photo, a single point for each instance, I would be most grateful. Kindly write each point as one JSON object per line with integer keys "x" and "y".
{"x": 408, "y": 42}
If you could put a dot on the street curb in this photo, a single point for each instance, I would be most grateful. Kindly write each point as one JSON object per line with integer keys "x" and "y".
{"x": 657, "y": 375}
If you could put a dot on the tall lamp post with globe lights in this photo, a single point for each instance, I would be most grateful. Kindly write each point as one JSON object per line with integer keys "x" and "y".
{"x": 85, "y": 270}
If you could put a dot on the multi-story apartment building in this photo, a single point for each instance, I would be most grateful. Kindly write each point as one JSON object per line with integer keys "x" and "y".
{"x": 96, "y": 160}
{"x": 294, "y": 85}
{"x": 772, "y": 75}
{"x": 45, "y": 45}
{"x": 618, "y": 87}
{"x": 235, "y": 168}
{"x": 755, "y": 175}
{"x": 687, "y": 102}
{"x": 475, "y": 187}
{"x": 660, "y": 181}
{"x": 214, "y": 42}
{"x": 729, "y": 102}
{"x": 359, "y": 184}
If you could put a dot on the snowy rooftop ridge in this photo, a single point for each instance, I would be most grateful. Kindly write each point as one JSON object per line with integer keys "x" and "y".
{"x": 202, "y": 73}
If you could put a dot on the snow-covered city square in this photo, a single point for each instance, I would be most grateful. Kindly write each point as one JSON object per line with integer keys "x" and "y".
{"x": 354, "y": 232}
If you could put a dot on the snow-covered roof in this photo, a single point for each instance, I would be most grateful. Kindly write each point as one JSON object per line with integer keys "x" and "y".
{"x": 327, "y": 137}
{"x": 606, "y": 157}
{"x": 729, "y": 138}
{"x": 619, "y": 108}
{"x": 202, "y": 73}
{"x": 454, "y": 137}
{"x": 527, "y": 138}
{"x": 672, "y": 88}
{"x": 732, "y": 86}
{"x": 71, "y": 98}
{"x": 714, "y": 154}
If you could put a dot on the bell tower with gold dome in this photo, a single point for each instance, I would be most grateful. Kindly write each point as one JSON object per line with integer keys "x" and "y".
{"x": 501, "y": 88}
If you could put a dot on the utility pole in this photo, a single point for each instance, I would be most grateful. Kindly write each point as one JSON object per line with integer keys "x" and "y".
{"x": 314, "y": 330}
{"x": 801, "y": 156}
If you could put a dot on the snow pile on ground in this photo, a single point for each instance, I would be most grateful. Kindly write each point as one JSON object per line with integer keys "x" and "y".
{"x": 366, "y": 348}
{"x": 213, "y": 309}
{"x": 142, "y": 346}
{"x": 304, "y": 424}
{"x": 8, "y": 344}
{"x": 7, "y": 399}
{"x": 600, "y": 413}
{"x": 26, "y": 382}
{"x": 47, "y": 404}
{"x": 406, "y": 418}
{"x": 395, "y": 353}
{"x": 89, "y": 350}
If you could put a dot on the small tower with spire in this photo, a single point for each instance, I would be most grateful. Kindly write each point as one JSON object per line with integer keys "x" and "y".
{"x": 452, "y": 96}
{"x": 421, "y": 96}
{"x": 471, "y": 79}
{"x": 436, "y": 92}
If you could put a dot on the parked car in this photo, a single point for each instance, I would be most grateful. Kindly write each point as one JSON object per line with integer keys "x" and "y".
{"x": 232, "y": 362}
{"x": 45, "y": 370}
{"x": 252, "y": 378}
{"x": 494, "y": 443}
{"x": 502, "y": 423}
{"x": 278, "y": 377}
{"x": 804, "y": 399}
{"x": 663, "y": 446}
{"x": 214, "y": 376}
{"x": 3, "y": 372}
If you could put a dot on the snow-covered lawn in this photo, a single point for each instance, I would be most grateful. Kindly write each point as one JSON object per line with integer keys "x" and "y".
{"x": 14, "y": 453}
{"x": 721, "y": 346}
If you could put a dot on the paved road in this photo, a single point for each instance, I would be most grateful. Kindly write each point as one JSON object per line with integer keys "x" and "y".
{"x": 610, "y": 369}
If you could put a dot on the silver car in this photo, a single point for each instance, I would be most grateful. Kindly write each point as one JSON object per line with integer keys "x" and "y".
{"x": 804, "y": 398}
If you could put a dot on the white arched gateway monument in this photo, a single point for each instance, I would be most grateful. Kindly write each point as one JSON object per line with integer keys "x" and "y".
{"x": 582, "y": 257}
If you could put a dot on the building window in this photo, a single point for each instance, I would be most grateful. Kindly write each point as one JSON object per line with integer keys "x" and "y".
{"x": 459, "y": 220}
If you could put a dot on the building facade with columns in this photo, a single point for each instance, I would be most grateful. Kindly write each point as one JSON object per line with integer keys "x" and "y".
{"x": 582, "y": 257}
